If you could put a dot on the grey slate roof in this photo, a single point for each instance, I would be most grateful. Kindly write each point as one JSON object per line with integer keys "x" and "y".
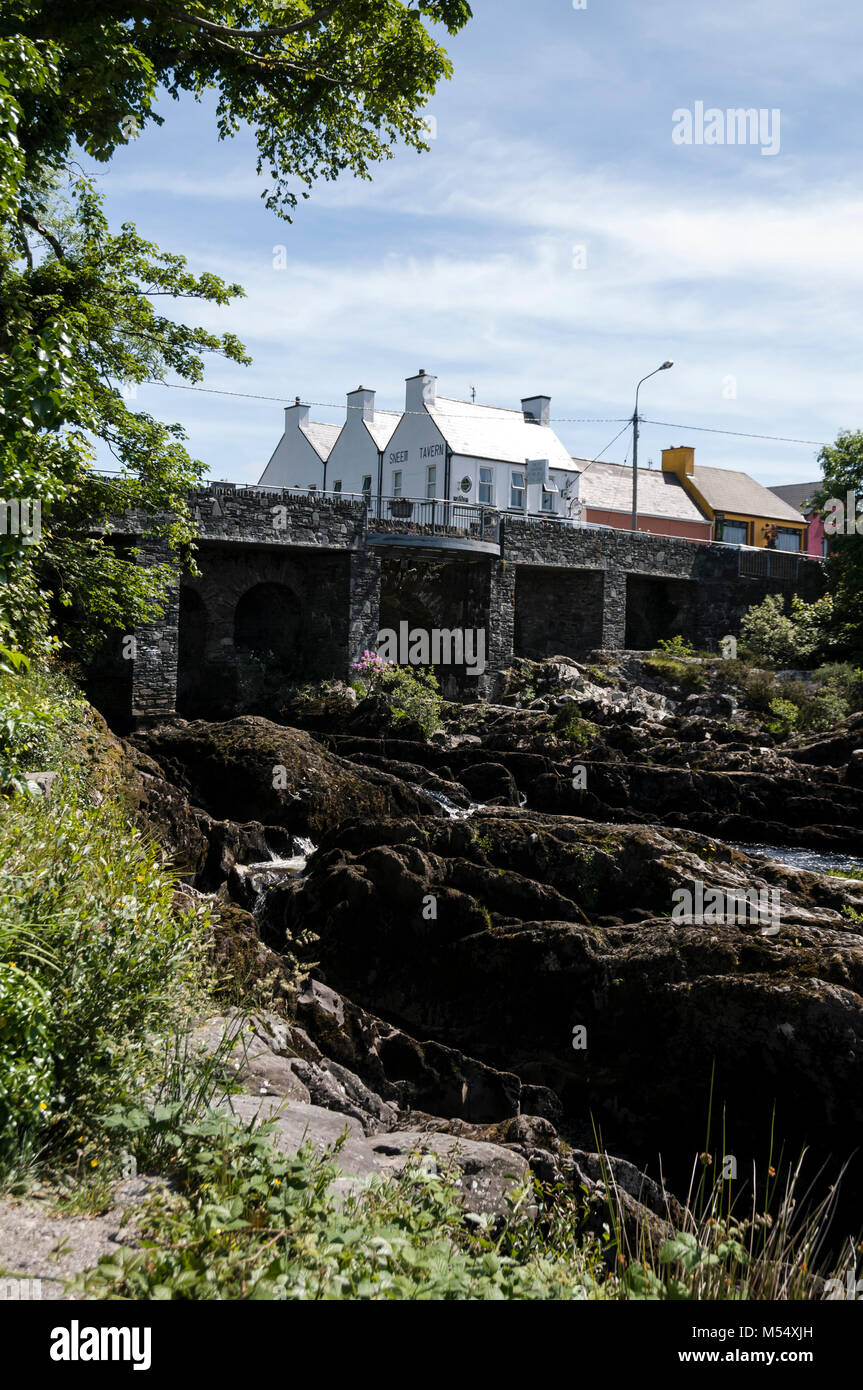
{"x": 609, "y": 485}
{"x": 798, "y": 494}
{"x": 726, "y": 490}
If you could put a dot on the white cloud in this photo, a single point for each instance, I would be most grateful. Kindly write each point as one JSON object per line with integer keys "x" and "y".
{"x": 479, "y": 285}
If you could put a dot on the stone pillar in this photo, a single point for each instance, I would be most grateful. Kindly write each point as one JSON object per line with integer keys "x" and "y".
{"x": 500, "y": 628}
{"x": 364, "y": 606}
{"x": 154, "y": 674}
{"x": 614, "y": 609}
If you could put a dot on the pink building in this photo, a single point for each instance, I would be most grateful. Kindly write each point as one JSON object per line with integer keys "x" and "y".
{"x": 798, "y": 495}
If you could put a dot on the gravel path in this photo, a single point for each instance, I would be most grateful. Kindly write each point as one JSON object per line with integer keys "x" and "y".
{"x": 35, "y": 1244}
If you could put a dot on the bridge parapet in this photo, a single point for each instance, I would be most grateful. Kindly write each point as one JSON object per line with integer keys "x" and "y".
{"x": 258, "y": 516}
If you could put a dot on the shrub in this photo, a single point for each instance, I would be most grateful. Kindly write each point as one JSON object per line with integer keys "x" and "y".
{"x": 827, "y": 708}
{"x": 846, "y": 679}
{"x": 676, "y": 646}
{"x": 788, "y": 639}
{"x": 410, "y": 692}
{"x": 693, "y": 677}
{"x": 580, "y": 732}
{"x": 785, "y": 717}
{"x": 413, "y": 694}
{"x": 247, "y": 1222}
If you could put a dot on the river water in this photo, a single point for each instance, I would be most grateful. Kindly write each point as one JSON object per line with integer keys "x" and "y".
{"x": 815, "y": 860}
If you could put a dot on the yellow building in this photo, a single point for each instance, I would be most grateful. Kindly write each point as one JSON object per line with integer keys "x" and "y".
{"x": 742, "y": 511}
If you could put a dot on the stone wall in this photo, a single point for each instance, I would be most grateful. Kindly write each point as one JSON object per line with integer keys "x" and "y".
{"x": 154, "y": 669}
{"x": 250, "y": 538}
{"x": 693, "y": 588}
{"x": 558, "y": 612}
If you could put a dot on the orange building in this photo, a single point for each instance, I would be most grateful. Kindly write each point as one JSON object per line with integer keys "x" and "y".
{"x": 741, "y": 511}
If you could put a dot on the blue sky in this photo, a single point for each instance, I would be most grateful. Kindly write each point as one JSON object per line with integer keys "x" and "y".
{"x": 555, "y": 133}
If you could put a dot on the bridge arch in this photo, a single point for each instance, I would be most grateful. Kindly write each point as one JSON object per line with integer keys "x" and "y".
{"x": 267, "y": 621}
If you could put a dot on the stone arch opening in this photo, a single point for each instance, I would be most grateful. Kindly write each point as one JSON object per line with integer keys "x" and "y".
{"x": 438, "y": 596}
{"x": 267, "y": 622}
{"x": 658, "y": 608}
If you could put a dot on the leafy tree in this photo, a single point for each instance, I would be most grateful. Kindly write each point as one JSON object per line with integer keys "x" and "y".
{"x": 327, "y": 88}
{"x": 91, "y": 296}
{"x": 842, "y": 466}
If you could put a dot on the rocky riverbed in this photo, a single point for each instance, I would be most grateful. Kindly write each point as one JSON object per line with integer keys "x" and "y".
{"x": 480, "y": 934}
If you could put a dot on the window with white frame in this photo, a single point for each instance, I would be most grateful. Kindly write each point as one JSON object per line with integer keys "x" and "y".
{"x": 397, "y": 482}
{"x": 547, "y": 501}
{"x": 367, "y": 485}
{"x": 337, "y": 485}
{"x": 517, "y": 491}
{"x": 486, "y": 486}
{"x": 431, "y": 481}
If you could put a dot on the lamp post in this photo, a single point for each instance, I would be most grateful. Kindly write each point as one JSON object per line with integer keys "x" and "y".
{"x": 663, "y": 368}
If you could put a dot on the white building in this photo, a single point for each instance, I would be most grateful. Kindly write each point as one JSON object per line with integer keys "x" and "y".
{"x": 355, "y": 462}
{"x": 439, "y": 449}
{"x": 300, "y": 457}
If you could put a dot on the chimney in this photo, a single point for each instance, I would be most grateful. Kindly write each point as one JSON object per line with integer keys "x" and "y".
{"x": 680, "y": 460}
{"x": 537, "y": 409}
{"x": 296, "y": 415}
{"x": 361, "y": 400}
{"x": 420, "y": 390}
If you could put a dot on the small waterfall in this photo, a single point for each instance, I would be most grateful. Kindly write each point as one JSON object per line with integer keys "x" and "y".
{"x": 454, "y": 812}
{"x": 265, "y": 875}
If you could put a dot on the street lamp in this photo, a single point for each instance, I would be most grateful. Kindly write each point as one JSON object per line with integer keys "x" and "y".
{"x": 663, "y": 368}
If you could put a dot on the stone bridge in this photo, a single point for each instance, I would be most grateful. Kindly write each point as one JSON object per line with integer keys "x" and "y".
{"x": 294, "y": 587}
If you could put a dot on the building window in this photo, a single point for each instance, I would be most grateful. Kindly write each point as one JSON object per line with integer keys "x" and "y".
{"x": 431, "y": 482}
{"x": 486, "y": 486}
{"x": 547, "y": 501}
{"x": 516, "y": 492}
{"x": 367, "y": 485}
{"x": 787, "y": 538}
{"x": 734, "y": 532}
{"x": 397, "y": 482}
{"x": 337, "y": 485}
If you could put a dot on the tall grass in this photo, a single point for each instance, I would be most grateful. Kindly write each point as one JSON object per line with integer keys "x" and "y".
{"x": 93, "y": 950}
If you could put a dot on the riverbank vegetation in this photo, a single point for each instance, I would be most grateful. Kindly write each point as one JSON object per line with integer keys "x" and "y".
{"x": 103, "y": 972}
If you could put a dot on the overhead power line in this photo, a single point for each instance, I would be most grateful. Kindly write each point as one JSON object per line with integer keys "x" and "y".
{"x": 739, "y": 434}
{"x": 555, "y": 420}
{"x": 340, "y": 405}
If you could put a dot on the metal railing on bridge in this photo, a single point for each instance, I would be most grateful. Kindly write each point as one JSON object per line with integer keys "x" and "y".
{"x": 761, "y": 563}
{"x": 430, "y": 515}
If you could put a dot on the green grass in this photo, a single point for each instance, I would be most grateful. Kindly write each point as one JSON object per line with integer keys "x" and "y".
{"x": 96, "y": 962}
